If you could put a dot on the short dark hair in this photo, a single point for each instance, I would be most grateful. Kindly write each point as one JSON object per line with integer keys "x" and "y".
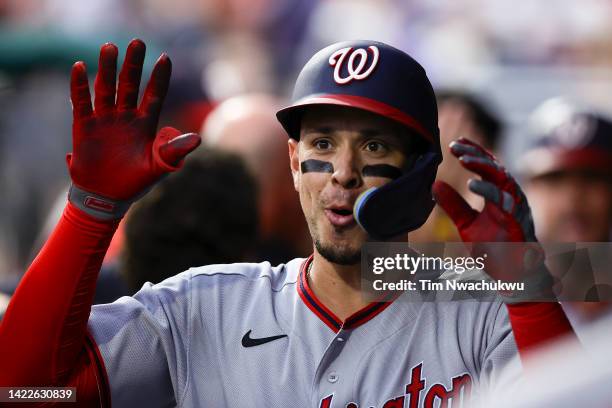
{"x": 484, "y": 117}
{"x": 205, "y": 213}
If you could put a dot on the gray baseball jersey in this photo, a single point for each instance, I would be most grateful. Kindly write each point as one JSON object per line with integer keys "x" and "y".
{"x": 253, "y": 335}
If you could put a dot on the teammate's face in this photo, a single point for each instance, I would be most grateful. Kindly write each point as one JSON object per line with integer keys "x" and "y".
{"x": 571, "y": 206}
{"x": 328, "y": 163}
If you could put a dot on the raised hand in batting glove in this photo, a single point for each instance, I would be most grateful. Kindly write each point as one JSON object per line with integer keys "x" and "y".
{"x": 117, "y": 152}
{"x": 506, "y": 217}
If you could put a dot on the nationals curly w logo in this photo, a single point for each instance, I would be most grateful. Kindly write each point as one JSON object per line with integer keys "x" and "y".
{"x": 355, "y": 69}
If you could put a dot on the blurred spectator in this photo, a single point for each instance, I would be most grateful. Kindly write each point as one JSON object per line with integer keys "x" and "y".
{"x": 567, "y": 175}
{"x": 240, "y": 63}
{"x": 247, "y": 126}
{"x": 34, "y": 128}
{"x": 460, "y": 114}
{"x": 204, "y": 214}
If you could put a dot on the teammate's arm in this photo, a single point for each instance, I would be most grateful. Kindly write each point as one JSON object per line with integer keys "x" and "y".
{"x": 506, "y": 217}
{"x": 117, "y": 155}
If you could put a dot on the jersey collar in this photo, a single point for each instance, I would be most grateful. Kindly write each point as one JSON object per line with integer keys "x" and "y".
{"x": 327, "y": 316}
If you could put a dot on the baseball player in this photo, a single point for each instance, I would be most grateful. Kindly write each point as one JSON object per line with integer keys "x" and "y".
{"x": 364, "y": 149}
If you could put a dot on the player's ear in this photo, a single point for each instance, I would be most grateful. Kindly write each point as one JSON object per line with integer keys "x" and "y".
{"x": 294, "y": 161}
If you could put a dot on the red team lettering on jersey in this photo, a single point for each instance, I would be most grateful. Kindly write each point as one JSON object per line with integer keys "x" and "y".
{"x": 460, "y": 392}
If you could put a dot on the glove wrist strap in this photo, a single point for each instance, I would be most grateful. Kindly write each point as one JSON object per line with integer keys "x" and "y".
{"x": 97, "y": 206}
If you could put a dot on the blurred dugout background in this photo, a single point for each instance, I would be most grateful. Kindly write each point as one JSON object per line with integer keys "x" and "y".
{"x": 514, "y": 54}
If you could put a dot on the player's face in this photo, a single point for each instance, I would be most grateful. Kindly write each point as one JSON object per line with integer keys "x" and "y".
{"x": 328, "y": 163}
{"x": 571, "y": 206}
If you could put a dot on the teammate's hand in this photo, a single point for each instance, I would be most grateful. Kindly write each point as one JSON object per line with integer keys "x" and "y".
{"x": 116, "y": 152}
{"x": 506, "y": 216}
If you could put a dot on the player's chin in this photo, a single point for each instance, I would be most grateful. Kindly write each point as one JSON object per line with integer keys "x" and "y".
{"x": 340, "y": 253}
{"x": 348, "y": 239}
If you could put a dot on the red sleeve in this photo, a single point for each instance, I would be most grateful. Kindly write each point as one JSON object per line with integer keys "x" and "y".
{"x": 43, "y": 337}
{"x": 536, "y": 324}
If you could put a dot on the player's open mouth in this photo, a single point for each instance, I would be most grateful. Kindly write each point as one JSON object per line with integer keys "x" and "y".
{"x": 340, "y": 216}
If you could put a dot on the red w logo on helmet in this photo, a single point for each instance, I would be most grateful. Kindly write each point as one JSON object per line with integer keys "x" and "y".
{"x": 355, "y": 70}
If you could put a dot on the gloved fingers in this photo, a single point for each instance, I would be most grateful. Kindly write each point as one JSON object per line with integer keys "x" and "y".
{"x": 459, "y": 149}
{"x": 453, "y": 204}
{"x": 493, "y": 194}
{"x": 485, "y": 168}
{"x": 471, "y": 147}
{"x": 129, "y": 77}
{"x": 166, "y": 134}
{"x": 104, "y": 85}
{"x": 176, "y": 149}
{"x": 157, "y": 88}
{"x": 79, "y": 91}
{"x": 171, "y": 147}
{"x": 522, "y": 214}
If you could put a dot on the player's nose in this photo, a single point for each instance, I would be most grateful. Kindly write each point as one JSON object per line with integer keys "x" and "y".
{"x": 346, "y": 169}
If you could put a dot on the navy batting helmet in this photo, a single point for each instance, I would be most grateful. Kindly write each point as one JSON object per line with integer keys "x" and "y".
{"x": 378, "y": 78}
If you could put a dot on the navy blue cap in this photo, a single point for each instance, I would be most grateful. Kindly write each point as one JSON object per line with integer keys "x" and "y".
{"x": 367, "y": 75}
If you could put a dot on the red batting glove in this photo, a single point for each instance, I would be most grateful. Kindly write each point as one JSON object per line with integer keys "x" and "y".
{"x": 506, "y": 217}
{"x": 116, "y": 153}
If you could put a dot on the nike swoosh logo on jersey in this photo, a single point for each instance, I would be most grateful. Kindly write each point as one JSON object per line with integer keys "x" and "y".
{"x": 248, "y": 341}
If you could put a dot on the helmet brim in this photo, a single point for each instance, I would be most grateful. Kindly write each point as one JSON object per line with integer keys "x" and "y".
{"x": 291, "y": 116}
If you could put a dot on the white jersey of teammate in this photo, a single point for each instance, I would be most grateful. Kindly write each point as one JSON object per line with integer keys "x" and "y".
{"x": 252, "y": 335}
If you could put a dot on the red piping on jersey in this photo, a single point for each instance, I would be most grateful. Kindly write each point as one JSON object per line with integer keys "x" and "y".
{"x": 327, "y": 316}
{"x": 309, "y": 298}
{"x": 367, "y": 313}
